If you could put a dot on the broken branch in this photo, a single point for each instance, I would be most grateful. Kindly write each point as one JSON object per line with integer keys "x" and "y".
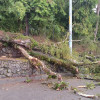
{"x": 36, "y": 62}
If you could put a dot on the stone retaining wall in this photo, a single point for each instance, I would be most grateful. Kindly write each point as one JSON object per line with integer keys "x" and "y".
{"x": 9, "y": 51}
{"x": 10, "y": 67}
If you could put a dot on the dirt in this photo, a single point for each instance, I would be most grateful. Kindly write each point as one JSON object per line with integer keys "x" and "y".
{"x": 43, "y": 40}
{"x": 17, "y": 89}
{"x": 39, "y": 39}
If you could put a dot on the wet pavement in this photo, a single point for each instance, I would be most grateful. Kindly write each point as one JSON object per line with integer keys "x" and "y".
{"x": 17, "y": 89}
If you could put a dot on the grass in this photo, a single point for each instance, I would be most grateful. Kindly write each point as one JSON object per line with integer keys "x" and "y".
{"x": 60, "y": 86}
{"x": 90, "y": 85}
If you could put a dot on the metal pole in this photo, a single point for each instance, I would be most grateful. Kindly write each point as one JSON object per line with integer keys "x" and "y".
{"x": 70, "y": 26}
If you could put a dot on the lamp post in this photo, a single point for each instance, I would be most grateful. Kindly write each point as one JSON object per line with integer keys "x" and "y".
{"x": 70, "y": 26}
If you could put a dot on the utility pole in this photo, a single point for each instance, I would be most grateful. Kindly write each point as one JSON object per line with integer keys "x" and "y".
{"x": 70, "y": 26}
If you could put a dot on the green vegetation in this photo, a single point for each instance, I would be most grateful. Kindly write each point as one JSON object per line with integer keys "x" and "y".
{"x": 75, "y": 90}
{"x": 60, "y": 86}
{"x": 90, "y": 85}
{"x": 22, "y": 37}
{"x": 97, "y": 77}
{"x": 28, "y": 80}
{"x": 48, "y": 17}
{"x": 52, "y": 77}
{"x": 60, "y": 51}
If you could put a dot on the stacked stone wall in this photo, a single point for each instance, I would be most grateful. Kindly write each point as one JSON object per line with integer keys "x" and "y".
{"x": 15, "y": 67}
{"x": 9, "y": 51}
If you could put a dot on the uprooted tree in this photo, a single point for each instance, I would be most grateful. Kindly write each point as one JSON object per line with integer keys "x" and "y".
{"x": 32, "y": 51}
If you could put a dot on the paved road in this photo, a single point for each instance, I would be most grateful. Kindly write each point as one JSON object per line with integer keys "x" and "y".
{"x": 17, "y": 89}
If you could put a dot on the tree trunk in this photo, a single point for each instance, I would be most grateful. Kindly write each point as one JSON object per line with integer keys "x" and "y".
{"x": 27, "y": 25}
{"x": 69, "y": 65}
{"x": 97, "y": 24}
{"x": 36, "y": 62}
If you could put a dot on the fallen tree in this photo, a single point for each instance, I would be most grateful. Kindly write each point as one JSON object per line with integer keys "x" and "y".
{"x": 20, "y": 42}
{"x": 19, "y": 39}
{"x": 36, "y": 62}
{"x": 24, "y": 42}
{"x": 29, "y": 43}
{"x": 59, "y": 62}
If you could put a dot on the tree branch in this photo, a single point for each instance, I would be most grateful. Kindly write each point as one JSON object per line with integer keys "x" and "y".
{"x": 36, "y": 62}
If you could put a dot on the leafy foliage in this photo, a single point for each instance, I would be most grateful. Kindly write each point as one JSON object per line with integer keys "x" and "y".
{"x": 48, "y": 17}
{"x": 60, "y": 86}
{"x": 52, "y": 77}
{"x": 28, "y": 80}
{"x": 90, "y": 85}
{"x": 60, "y": 51}
{"x": 83, "y": 15}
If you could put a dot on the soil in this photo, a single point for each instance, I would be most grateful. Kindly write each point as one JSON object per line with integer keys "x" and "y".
{"x": 39, "y": 39}
{"x": 17, "y": 89}
{"x": 42, "y": 40}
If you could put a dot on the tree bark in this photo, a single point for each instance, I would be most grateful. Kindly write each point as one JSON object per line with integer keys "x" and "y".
{"x": 27, "y": 25}
{"x": 60, "y": 62}
{"x": 97, "y": 24}
{"x": 36, "y": 62}
{"x": 16, "y": 39}
{"x": 86, "y": 95}
{"x": 69, "y": 65}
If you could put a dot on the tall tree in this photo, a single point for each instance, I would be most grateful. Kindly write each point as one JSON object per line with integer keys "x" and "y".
{"x": 33, "y": 12}
{"x": 83, "y": 16}
{"x": 97, "y": 24}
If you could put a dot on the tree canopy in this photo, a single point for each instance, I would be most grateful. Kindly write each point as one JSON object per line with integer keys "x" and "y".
{"x": 49, "y": 17}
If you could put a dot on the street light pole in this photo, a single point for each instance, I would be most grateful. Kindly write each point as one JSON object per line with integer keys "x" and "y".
{"x": 70, "y": 26}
